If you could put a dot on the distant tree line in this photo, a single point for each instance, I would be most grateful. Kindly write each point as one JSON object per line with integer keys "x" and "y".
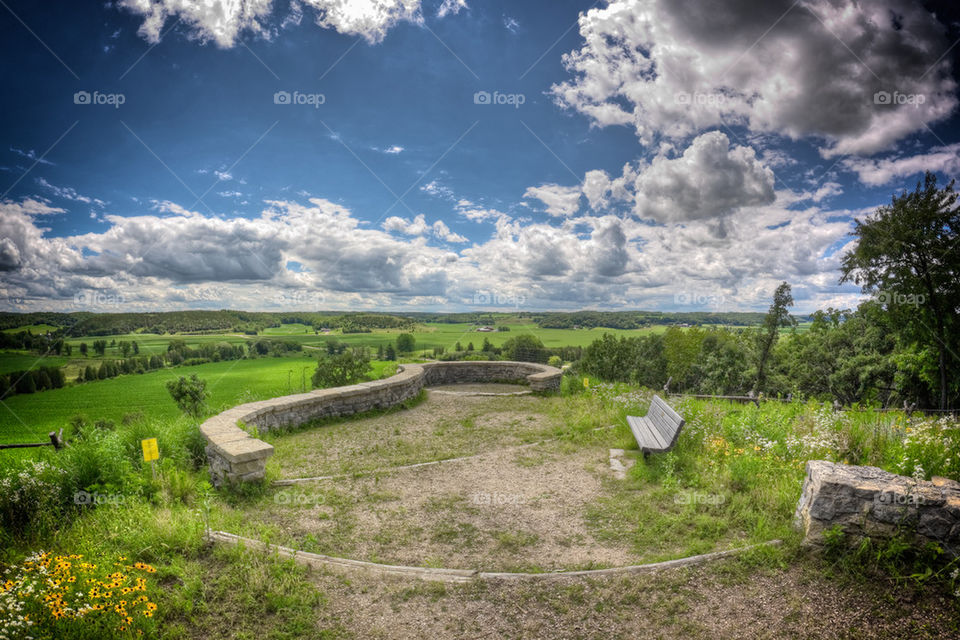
{"x": 525, "y": 347}
{"x": 46, "y": 344}
{"x": 39, "y": 379}
{"x": 848, "y": 356}
{"x": 640, "y": 319}
{"x": 253, "y": 323}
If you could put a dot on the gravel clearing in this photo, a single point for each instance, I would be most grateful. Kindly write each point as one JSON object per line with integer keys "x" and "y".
{"x": 718, "y": 602}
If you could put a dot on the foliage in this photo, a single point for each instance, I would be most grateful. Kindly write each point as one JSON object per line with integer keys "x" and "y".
{"x": 102, "y": 464}
{"x": 406, "y": 343}
{"x": 848, "y": 356}
{"x": 907, "y": 258}
{"x": 777, "y": 317}
{"x": 341, "y": 369}
{"x": 34, "y": 495}
{"x": 896, "y": 558}
{"x": 524, "y": 348}
{"x": 31, "y": 381}
{"x": 639, "y": 319}
{"x": 190, "y": 394}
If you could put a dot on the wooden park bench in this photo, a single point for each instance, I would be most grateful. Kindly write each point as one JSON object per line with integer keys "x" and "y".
{"x": 658, "y": 430}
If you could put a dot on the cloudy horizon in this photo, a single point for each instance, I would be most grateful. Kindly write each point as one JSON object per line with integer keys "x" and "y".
{"x": 453, "y": 155}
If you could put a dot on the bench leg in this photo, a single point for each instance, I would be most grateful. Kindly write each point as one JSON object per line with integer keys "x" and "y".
{"x": 646, "y": 455}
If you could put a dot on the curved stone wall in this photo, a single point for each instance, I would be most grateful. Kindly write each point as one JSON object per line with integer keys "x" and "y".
{"x": 236, "y": 456}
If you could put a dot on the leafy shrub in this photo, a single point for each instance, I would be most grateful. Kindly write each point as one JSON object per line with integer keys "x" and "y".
{"x": 406, "y": 342}
{"x": 189, "y": 394}
{"x": 341, "y": 369}
{"x": 37, "y": 496}
{"x": 524, "y": 348}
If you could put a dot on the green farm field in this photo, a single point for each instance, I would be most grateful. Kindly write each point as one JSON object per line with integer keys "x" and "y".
{"x": 28, "y": 418}
{"x": 32, "y": 328}
{"x": 428, "y": 336}
{"x": 23, "y": 361}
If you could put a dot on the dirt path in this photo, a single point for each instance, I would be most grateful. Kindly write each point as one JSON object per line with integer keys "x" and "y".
{"x": 506, "y": 510}
{"x": 726, "y": 601}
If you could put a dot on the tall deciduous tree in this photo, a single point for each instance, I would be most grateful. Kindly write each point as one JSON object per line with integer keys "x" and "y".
{"x": 406, "y": 342}
{"x": 190, "y": 394}
{"x": 341, "y": 369}
{"x": 908, "y": 256}
{"x": 778, "y": 316}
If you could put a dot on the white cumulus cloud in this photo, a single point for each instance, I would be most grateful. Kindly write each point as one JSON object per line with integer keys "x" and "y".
{"x": 222, "y": 22}
{"x": 560, "y": 201}
{"x": 799, "y": 69}
{"x": 879, "y": 171}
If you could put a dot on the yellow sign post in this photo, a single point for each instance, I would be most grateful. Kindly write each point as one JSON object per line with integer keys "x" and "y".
{"x": 150, "y": 453}
{"x": 586, "y": 383}
{"x": 150, "y": 450}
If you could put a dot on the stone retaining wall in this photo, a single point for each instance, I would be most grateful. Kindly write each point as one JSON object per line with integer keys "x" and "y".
{"x": 870, "y": 502}
{"x": 236, "y": 456}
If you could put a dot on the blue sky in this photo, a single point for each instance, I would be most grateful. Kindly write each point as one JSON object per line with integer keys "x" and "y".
{"x": 428, "y": 155}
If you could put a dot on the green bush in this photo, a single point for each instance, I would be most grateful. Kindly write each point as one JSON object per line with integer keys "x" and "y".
{"x": 341, "y": 369}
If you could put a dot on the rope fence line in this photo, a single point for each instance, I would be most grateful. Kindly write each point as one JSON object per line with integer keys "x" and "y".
{"x": 316, "y": 560}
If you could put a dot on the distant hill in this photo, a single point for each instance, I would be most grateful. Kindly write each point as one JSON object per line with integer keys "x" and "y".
{"x": 252, "y": 322}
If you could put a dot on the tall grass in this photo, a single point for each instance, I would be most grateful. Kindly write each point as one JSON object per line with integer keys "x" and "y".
{"x": 737, "y": 469}
{"x": 103, "y": 464}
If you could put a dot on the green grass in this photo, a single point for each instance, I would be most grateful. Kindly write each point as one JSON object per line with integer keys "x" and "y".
{"x": 294, "y": 328}
{"x": 428, "y": 336}
{"x": 23, "y": 361}
{"x": 33, "y": 328}
{"x": 28, "y": 418}
{"x": 385, "y": 440}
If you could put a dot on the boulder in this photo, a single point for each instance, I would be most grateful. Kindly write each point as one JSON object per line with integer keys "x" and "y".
{"x": 871, "y": 502}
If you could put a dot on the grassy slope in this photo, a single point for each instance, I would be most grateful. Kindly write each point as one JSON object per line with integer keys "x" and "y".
{"x": 23, "y": 361}
{"x": 35, "y": 328}
{"x": 27, "y": 418}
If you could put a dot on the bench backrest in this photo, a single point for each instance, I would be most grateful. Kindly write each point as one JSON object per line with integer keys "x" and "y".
{"x": 667, "y": 421}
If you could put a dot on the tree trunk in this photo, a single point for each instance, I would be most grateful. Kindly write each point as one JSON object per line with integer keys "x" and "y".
{"x": 943, "y": 377}
{"x": 942, "y": 351}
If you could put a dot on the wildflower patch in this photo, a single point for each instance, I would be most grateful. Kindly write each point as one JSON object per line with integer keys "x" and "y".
{"x": 62, "y": 596}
